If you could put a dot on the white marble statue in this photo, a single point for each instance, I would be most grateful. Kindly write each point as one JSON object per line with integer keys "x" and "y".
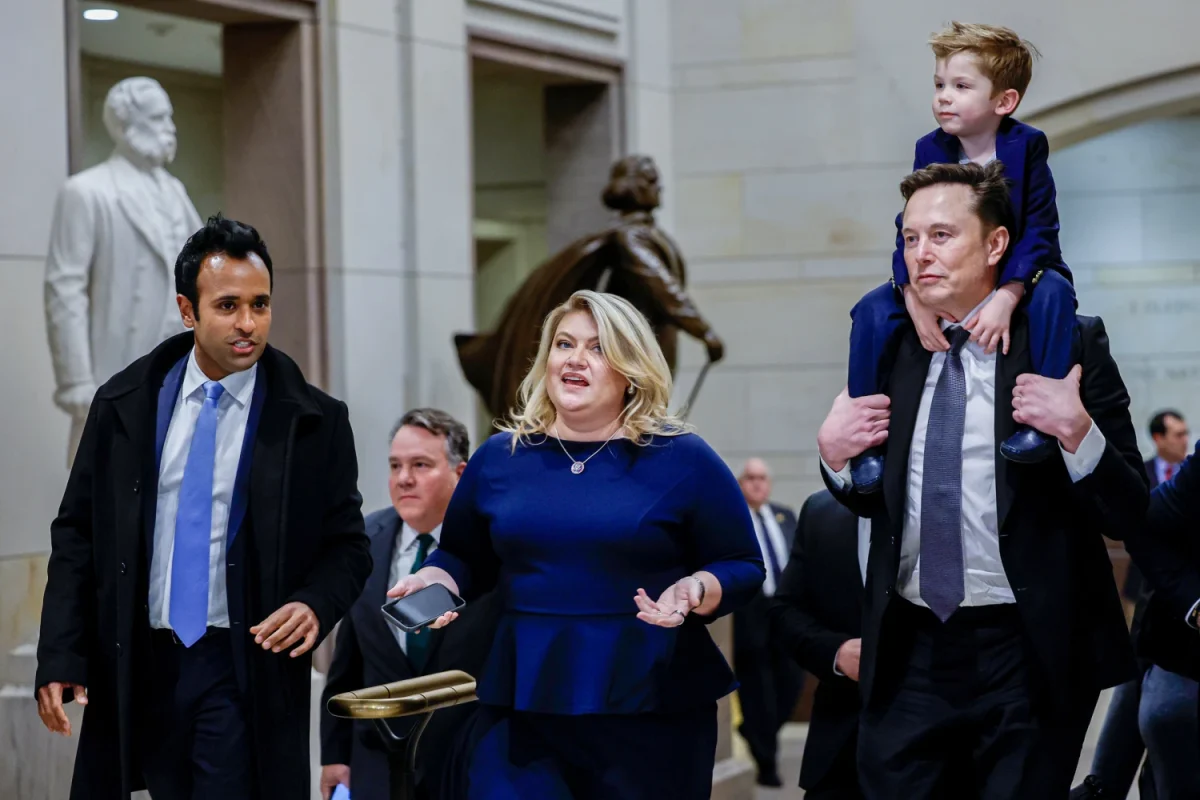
{"x": 110, "y": 272}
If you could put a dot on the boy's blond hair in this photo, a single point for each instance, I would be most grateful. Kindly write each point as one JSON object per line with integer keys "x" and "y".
{"x": 1004, "y": 57}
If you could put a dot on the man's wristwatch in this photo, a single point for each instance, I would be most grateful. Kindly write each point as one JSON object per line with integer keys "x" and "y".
{"x": 1194, "y": 616}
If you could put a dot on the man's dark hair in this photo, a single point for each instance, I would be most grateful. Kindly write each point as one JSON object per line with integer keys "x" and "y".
{"x": 1158, "y": 423}
{"x": 439, "y": 423}
{"x": 219, "y": 235}
{"x": 993, "y": 204}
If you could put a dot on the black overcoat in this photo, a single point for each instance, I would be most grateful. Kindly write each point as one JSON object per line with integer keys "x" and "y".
{"x": 302, "y": 539}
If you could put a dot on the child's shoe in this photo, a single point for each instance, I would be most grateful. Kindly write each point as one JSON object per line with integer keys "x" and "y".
{"x": 866, "y": 471}
{"x": 1027, "y": 446}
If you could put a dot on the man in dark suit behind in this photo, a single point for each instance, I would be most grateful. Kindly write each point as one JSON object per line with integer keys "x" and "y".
{"x": 1119, "y": 747}
{"x": 770, "y": 682}
{"x": 209, "y": 537}
{"x": 816, "y": 618}
{"x": 991, "y": 618}
{"x": 429, "y": 451}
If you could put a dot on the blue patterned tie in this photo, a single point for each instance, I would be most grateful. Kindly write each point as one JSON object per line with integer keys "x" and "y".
{"x": 941, "y": 486}
{"x": 193, "y": 526}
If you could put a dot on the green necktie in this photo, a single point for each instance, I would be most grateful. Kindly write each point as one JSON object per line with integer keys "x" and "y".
{"x": 417, "y": 644}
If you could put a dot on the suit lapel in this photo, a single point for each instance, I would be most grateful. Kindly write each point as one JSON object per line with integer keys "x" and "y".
{"x": 241, "y": 483}
{"x": 1010, "y": 151}
{"x": 905, "y": 388}
{"x": 949, "y": 149}
{"x": 847, "y": 541}
{"x": 383, "y": 551}
{"x": 168, "y": 394}
{"x": 1008, "y": 367}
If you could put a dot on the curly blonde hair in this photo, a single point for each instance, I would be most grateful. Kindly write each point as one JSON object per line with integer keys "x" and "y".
{"x": 631, "y": 350}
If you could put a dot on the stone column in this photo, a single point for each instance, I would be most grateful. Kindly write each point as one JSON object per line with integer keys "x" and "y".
{"x": 398, "y": 205}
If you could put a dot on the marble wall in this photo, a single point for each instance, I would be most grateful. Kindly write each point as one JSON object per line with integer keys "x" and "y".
{"x": 1128, "y": 203}
{"x": 792, "y": 124}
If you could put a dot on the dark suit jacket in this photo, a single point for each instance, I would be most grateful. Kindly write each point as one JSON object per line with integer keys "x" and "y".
{"x": 1167, "y": 551}
{"x": 818, "y": 608}
{"x": 751, "y": 630}
{"x": 1050, "y": 528}
{"x": 301, "y": 539}
{"x": 367, "y": 654}
{"x": 1023, "y": 150}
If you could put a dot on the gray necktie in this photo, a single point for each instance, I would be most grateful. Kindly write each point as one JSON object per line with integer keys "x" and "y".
{"x": 941, "y": 486}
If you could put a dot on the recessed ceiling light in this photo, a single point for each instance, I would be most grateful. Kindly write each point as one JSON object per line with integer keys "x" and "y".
{"x": 100, "y": 14}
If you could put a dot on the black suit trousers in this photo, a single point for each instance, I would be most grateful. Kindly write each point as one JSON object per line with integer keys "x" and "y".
{"x": 196, "y": 739}
{"x": 769, "y": 686}
{"x": 959, "y": 693}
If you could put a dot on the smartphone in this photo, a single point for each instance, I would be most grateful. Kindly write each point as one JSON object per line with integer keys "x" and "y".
{"x": 415, "y": 611}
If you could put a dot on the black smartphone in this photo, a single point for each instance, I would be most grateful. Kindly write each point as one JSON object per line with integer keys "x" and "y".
{"x": 415, "y": 611}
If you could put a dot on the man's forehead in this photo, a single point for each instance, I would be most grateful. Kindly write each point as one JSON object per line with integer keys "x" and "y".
{"x": 225, "y": 274}
{"x": 755, "y": 469}
{"x": 949, "y": 203}
{"x": 413, "y": 440}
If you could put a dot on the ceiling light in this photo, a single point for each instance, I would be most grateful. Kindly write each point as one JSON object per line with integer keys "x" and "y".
{"x": 100, "y": 14}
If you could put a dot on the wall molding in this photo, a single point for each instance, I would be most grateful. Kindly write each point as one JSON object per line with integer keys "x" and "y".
{"x": 1167, "y": 94}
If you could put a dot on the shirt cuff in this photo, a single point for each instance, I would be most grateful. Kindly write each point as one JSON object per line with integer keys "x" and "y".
{"x": 1191, "y": 611}
{"x": 837, "y": 671}
{"x": 840, "y": 479}
{"x": 1083, "y": 461}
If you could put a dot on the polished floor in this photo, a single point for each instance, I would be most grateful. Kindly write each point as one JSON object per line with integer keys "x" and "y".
{"x": 791, "y": 747}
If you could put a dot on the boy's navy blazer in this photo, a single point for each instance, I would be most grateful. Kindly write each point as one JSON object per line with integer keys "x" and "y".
{"x": 1023, "y": 150}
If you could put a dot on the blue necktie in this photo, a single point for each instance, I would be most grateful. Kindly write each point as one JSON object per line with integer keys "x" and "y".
{"x": 193, "y": 525}
{"x": 769, "y": 549}
{"x": 416, "y": 646}
{"x": 941, "y": 486}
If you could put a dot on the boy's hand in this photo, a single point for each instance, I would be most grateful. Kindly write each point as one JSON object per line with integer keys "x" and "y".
{"x": 926, "y": 322}
{"x": 991, "y": 325}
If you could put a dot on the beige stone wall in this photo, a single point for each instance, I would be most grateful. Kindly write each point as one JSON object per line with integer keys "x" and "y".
{"x": 1128, "y": 202}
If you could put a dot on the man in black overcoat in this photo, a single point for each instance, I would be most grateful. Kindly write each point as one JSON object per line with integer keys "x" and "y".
{"x": 209, "y": 537}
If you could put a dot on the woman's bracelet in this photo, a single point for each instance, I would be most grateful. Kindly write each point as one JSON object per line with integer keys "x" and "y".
{"x": 702, "y": 589}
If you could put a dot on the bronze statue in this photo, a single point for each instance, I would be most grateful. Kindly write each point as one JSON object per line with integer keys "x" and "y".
{"x": 633, "y": 258}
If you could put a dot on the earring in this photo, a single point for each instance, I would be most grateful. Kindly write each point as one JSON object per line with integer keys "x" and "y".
{"x": 629, "y": 390}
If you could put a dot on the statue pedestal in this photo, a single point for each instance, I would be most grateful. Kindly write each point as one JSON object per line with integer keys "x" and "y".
{"x": 733, "y": 777}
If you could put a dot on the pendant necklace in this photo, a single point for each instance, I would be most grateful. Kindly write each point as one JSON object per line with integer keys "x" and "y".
{"x": 577, "y": 466}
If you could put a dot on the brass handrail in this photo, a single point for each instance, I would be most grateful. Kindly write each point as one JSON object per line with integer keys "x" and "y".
{"x": 404, "y": 698}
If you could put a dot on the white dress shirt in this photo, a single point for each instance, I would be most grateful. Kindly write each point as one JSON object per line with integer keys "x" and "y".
{"x": 404, "y": 554}
{"x": 233, "y": 412}
{"x": 985, "y": 582}
{"x": 769, "y": 534}
{"x": 864, "y": 547}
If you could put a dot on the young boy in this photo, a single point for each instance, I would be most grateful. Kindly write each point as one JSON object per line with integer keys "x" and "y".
{"x": 982, "y": 71}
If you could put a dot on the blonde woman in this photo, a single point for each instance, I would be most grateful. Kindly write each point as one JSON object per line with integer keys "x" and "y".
{"x": 591, "y": 503}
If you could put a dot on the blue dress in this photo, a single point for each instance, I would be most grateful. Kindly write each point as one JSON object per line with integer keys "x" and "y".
{"x": 568, "y": 553}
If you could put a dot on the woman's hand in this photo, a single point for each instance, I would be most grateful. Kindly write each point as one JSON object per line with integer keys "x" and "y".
{"x": 672, "y": 606}
{"x": 415, "y": 582}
